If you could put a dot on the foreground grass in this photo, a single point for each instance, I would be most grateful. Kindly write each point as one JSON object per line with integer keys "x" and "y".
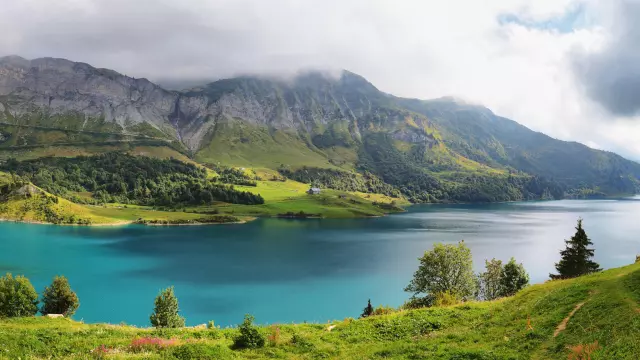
{"x": 521, "y": 327}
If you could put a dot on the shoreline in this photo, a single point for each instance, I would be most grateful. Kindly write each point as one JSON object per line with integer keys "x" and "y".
{"x": 122, "y": 223}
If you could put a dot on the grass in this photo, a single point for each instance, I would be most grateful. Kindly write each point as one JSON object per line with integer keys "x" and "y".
{"x": 28, "y": 153}
{"x": 520, "y": 327}
{"x": 281, "y": 197}
{"x": 240, "y": 144}
{"x": 290, "y": 196}
{"x": 35, "y": 209}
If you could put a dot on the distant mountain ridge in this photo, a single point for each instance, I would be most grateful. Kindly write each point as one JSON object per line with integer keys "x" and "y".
{"x": 434, "y": 150}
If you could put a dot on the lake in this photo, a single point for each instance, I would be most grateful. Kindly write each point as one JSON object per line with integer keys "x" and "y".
{"x": 315, "y": 270}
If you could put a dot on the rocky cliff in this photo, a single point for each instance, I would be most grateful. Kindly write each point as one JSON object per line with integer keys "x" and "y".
{"x": 313, "y": 119}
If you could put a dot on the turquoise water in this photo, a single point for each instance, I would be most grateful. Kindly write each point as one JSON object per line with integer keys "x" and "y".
{"x": 299, "y": 270}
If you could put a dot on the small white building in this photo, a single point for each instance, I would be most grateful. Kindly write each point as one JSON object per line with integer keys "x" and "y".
{"x": 313, "y": 191}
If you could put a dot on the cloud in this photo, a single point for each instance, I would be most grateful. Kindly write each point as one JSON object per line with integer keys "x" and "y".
{"x": 518, "y": 57}
{"x": 611, "y": 75}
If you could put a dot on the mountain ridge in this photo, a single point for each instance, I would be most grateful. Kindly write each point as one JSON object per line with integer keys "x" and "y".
{"x": 312, "y": 119}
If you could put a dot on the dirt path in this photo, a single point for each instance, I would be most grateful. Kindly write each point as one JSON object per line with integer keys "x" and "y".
{"x": 563, "y": 324}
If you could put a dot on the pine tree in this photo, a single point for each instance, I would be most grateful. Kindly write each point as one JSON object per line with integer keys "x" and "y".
{"x": 576, "y": 257}
{"x": 368, "y": 311}
{"x": 165, "y": 313}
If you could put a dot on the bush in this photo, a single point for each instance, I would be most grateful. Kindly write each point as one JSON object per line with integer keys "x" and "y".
{"x": 59, "y": 298}
{"x": 418, "y": 302}
{"x": 17, "y": 297}
{"x": 445, "y": 298}
{"x": 301, "y": 341}
{"x": 165, "y": 313}
{"x": 199, "y": 351}
{"x": 150, "y": 344}
{"x": 250, "y": 336}
{"x": 274, "y": 338}
{"x": 383, "y": 310}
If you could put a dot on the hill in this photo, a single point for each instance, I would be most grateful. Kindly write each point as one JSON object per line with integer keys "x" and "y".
{"x": 430, "y": 151}
{"x": 555, "y": 320}
{"x": 118, "y": 188}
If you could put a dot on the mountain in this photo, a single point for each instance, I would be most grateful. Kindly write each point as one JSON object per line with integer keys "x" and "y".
{"x": 429, "y": 150}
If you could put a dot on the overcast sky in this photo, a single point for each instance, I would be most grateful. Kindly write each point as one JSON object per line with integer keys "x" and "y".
{"x": 569, "y": 68}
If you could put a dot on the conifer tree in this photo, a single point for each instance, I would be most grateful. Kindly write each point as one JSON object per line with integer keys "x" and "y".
{"x": 368, "y": 311}
{"x": 576, "y": 257}
{"x": 165, "y": 313}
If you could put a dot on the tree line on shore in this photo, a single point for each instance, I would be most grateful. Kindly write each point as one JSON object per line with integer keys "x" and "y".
{"x": 122, "y": 178}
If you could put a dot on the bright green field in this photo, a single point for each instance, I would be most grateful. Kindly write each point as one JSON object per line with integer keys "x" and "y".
{"x": 290, "y": 196}
{"x": 281, "y": 197}
{"x": 520, "y": 327}
{"x": 32, "y": 209}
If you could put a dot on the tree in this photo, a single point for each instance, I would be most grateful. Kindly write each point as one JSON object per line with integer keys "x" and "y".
{"x": 576, "y": 257}
{"x": 514, "y": 278}
{"x": 490, "y": 281}
{"x": 250, "y": 336}
{"x": 368, "y": 310}
{"x": 17, "y": 297}
{"x": 445, "y": 268}
{"x": 59, "y": 298}
{"x": 165, "y": 313}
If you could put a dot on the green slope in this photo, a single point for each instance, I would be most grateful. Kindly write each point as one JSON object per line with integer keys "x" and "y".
{"x": 476, "y": 133}
{"x": 526, "y": 326}
{"x": 437, "y": 151}
{"x": 440, "y": 150}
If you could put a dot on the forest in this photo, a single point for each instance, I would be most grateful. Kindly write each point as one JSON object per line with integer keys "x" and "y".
{"x": 452, "y": 183}
{"x": 341, "y": 180}
{"x": 121, "y": 178}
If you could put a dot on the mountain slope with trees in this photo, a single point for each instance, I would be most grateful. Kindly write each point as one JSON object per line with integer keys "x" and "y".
{"x": 429, "y": 150}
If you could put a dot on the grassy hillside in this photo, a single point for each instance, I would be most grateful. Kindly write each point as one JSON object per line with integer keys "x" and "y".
{"x": 556, "y": 320}
{"x": 116, "y": 188}
{"x": 32, "y": 204}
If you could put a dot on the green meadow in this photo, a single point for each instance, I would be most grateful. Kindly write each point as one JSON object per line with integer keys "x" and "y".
{"x": 590, "y": 317}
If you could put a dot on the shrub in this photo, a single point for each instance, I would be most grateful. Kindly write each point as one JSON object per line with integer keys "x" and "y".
{"x": 445, "y": 298}
{"x": 165, "y": 313}
{"x": 150, "y": 343}
{"x": 418, "y": 302}
{"x": 17, "y": 297}
{"x": 59, "y": 298}
{"x": 274, "y": 337}
{"x": 197, "y": 351}
{"x": 250, "y": 336}
{"x": 383, "y": 310}
{"x": 301, "y": 341}
{"x": 582, "y": 351}
{"x": 100, "y": 352}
